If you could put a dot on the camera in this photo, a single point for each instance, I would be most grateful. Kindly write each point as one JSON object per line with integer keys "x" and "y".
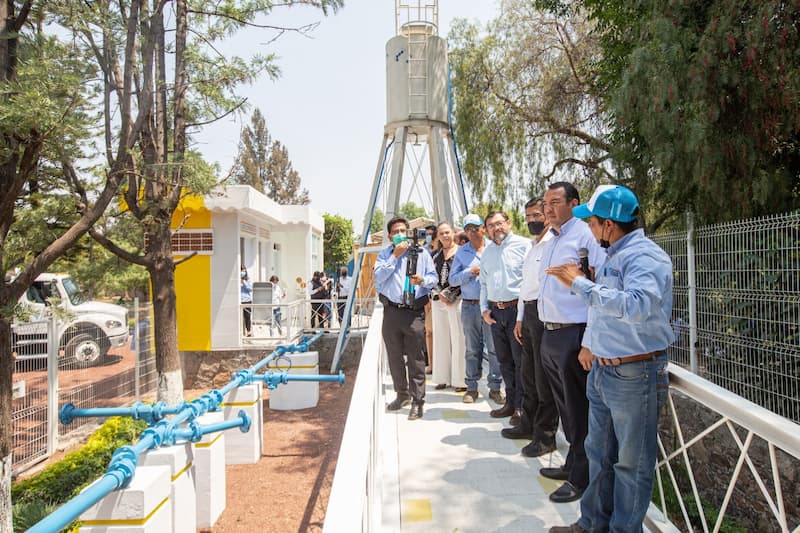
{"x": 409, "y": 291}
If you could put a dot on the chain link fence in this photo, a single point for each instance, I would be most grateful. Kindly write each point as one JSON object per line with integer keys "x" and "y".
{"x": 736, "y": 310}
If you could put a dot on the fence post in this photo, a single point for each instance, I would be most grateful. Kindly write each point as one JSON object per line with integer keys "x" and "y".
{"x": 692, "y": 292}
{"x": 52, "y": 385}
{"x": 137, "y": 331}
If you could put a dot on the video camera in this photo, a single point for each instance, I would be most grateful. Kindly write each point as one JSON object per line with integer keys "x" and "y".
{"x": 409, "y": 289}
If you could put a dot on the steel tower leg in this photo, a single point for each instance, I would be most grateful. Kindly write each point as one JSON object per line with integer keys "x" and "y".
{"x": 440, "y": 185}
{"x": 395, "y": 178}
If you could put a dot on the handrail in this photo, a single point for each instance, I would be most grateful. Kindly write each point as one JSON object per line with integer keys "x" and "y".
{"x": 354, "y": 491}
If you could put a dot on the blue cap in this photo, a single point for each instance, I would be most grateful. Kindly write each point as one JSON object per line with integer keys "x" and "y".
{"x": 472, "y": 220}
{"x": 613, "y": 202}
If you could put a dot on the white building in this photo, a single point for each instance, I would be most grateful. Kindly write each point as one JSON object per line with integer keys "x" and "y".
{"x": 228, "y": 228}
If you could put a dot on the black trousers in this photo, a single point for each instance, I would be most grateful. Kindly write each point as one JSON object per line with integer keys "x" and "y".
{"x": 567, "y": 379}
{"x": 539, "y": 411}
{"x": 509, "y": 353}
{"x": 341, "y": 303}
{"x": 404, "y": 335}
{"x": 247, "y": 313}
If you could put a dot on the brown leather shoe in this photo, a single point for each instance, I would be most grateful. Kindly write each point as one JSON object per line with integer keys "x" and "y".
{"x": 398, "y": 403}
{"x": 572, "y": 528}
{"x": 497, "y": 397}
{"x": 506, "y": 410}
{"x": 516, "y": 418}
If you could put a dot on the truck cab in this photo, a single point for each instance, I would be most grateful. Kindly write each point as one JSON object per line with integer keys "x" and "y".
{"x": 86, "y": 330}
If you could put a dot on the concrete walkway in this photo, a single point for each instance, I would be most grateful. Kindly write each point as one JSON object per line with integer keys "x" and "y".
{"x": 457, "y": 474}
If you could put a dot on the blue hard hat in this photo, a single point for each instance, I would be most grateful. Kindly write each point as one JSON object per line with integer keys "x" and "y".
{"x": 613, "y": 202}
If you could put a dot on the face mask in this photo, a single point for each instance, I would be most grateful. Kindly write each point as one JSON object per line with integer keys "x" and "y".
{"x": 428, "y": 239}
{"x": 604, "y": 243}
{"x": 398, "y": 238}
{"x": 535, "y": 228}
{"x": 243, "y": 275}
{"x": 343, "y": 273}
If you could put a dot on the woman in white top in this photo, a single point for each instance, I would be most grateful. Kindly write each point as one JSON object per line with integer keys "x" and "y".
{"x": 449, "y": 366}
{"x": 277, "y": 295}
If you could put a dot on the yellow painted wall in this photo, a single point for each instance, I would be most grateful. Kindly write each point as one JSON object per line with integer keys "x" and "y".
{"x": 193, "y": 281}
{"x": 193, "y": 293}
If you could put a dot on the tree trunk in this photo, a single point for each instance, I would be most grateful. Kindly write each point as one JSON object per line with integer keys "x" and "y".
{"x": 6, "y": 436}
{"x": 162, "y": 276}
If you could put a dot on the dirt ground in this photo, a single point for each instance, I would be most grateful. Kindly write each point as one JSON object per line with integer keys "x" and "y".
{"x": 288, "y": 489}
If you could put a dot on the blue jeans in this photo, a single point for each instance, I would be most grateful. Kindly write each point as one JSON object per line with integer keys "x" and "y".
{"x": 624, "y": 404}
{"x": 478, "y": 340}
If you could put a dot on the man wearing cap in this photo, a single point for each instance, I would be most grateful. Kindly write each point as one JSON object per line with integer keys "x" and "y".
{"x": 628, "y": 331}
{"x": 404, "y": 295}
{"x": 477, "y": 334}
{"x": 564, "y": 317}
{"x": 501, "y": 278}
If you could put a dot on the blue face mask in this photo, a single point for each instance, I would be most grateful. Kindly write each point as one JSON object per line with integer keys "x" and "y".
{"x": 398, "y": 238}
{"x": 243, "y": 275}
{"x": 428, "y": 239}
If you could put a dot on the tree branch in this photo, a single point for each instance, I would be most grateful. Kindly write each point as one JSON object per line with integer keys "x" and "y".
{"x": 225, "y": 114}
{"x": 116, "y": 250}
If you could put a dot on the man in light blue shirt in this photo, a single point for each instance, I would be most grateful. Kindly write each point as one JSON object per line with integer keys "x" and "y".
{"x": 501, "y": 278}
{"x": 564, "y": 317}
{"x": 630, "y": 305}
{"x": 404, "y": 294}
{"x": 465, "y": 273}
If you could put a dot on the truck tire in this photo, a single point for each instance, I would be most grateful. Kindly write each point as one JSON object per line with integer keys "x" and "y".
{"x": 84, "y": 350}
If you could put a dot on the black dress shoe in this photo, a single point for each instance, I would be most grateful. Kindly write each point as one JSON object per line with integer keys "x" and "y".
{"x": 516, "y": 433}
{"x": 566, "y": 493}
{"x": 398, "y": 403}
{"x": 559, "y": 473}
{"x": 537, "y": 448}
{"x": 415, "y": 412}
{"x": 516, "y": 418}
{"x": 506, "y": 410}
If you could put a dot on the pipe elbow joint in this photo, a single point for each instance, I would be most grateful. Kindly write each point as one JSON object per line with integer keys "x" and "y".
{"x": 65, "y": 414}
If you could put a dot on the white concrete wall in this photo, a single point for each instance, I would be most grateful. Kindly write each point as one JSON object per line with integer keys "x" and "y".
{"x": 225, "y": 314}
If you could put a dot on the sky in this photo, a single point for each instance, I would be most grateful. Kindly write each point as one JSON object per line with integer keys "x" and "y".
{"x": 329, "y": 105}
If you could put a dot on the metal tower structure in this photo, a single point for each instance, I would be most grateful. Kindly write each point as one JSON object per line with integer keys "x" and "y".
{"x": 417, "y": 130}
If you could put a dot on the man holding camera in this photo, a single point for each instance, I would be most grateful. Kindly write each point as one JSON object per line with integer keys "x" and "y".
{"x": 404, "y": 276}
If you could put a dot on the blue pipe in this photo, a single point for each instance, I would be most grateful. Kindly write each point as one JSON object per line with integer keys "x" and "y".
{"x": 138, "y": 411}
{"x": 272, "y": 379}
{"x": 165, "y": 432}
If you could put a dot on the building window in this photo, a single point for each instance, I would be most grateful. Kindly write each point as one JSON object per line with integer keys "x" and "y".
{"x": 188, "y": 241}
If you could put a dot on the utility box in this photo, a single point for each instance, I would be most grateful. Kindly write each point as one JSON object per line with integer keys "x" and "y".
{"x": 295, "y": 394}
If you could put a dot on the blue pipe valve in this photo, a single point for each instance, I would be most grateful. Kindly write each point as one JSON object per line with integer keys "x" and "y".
{"x": 272, "y": 378}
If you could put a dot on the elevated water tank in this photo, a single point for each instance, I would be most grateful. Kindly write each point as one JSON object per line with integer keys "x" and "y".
{"x": 416, "y": 75}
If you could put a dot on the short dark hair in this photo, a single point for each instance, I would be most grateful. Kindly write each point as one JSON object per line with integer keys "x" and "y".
{"x": 626, "y": 227}
{"x": 495, "y": 213}
{"x": 569, "y": 190}
{"x": 393, "y": 221}
{"x": 273, "y": 279}
{"x": 431, "y": 227}
{"x": 538, "y": 200}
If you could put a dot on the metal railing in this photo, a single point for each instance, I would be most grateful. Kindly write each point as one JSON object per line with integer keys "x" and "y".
{"x": 45, "y": 376}
{"x": 735, "y": 414}
{"x": 736, "y": 311}
{"x": 284, "y": 322}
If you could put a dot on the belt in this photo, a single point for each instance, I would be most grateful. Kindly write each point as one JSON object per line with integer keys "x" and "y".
{"x": 467, "y": 300}
{"x": 616, "y": 361}
{"x": 551, "y": 326}
{"x": 504, "y": 305}
{"x": 419, "y": 304}
{"x": 529, "y": 302}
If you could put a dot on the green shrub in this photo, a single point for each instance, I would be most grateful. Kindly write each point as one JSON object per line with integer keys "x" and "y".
{"x": 27, "y": 513}
{"x": 63, "y": 480}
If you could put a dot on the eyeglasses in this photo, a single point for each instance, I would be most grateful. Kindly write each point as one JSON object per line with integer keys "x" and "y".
{"x": 497, "y": 224}
{"x": 472, "y": 229}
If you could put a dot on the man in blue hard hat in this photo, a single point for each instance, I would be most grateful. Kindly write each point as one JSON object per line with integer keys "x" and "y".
{"x": 627, "y": 333}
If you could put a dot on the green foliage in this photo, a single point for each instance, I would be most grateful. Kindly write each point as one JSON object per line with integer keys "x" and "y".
{"x": 337, "y": 241}
{"x": 27, "y": 513}
{"x": 63, "y": 480}
{"x": 410, "y": 210}
{"x": 264, "y": 164}
{"x": 378, "y": 221}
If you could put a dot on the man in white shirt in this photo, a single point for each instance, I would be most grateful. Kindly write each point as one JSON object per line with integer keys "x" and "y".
{"x": 539, "y": 414}
{"x": 564, "y": 316}
{"x": 342, "y": 292}
{"x": 277, "y": 296}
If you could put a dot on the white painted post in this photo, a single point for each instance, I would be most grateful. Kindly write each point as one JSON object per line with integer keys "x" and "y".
{"x": 142, "y": 507}
{"x": 179, "y": 459}
{"x": 244, "y": 448}
{"x": 296, "y": 395}
{"x": 209, "y": 472}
